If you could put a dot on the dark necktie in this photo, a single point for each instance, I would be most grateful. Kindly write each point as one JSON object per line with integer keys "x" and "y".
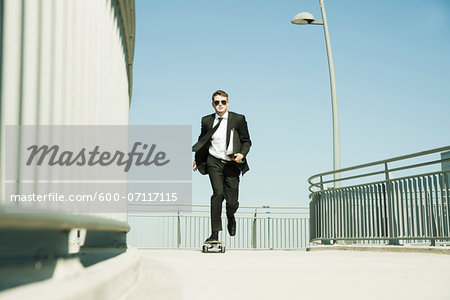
{"x": 206, "y": 137}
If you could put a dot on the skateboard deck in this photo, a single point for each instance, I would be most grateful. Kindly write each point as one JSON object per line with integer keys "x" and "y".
{"x": 213, "y": 246}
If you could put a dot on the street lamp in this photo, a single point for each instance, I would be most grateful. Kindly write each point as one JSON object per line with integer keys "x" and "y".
{"x": 305, "y": 18}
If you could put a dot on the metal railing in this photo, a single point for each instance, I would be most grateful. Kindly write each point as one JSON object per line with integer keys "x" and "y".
{"x": 411, "y": 208}
{"x": 258, "y": 227}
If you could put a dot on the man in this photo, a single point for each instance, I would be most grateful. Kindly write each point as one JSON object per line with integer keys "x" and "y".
{"x": 220, "y": 152}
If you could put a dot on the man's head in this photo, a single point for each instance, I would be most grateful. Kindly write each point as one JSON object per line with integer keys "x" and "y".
{"x": 220, "y": 102}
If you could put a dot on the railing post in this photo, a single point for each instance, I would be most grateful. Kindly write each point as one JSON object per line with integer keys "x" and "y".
{"x": 178, "y": 228}
{"x": 254, "y": 229}
{"x": 269, "y": 240}
{"x": 390, "y": 210}
{"x": 322, "y": 213}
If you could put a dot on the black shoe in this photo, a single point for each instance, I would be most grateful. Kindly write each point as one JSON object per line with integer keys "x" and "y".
{"x": 214, "y": 237}
{"x": 231, "y": 226}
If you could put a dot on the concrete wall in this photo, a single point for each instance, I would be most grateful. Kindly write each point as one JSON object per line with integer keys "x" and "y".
{"x": 66, "y": 62}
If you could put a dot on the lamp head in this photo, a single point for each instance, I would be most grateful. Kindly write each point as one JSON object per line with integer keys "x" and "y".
{"x": 303, "y": 18}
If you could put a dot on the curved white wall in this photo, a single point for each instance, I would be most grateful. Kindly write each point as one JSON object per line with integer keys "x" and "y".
{"x": 64, "y": 62}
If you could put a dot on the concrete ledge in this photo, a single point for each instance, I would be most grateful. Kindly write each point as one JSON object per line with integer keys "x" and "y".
{"x": 382, "y": 248}
{"x": 60, "y": 221}
{"x": 109, "y": 279}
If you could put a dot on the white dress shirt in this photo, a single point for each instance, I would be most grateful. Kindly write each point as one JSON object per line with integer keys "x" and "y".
{"x": 218, "y": 146}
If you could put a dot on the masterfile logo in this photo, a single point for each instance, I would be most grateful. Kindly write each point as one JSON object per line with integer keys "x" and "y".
{"x": 54, "y": 156}
{"x": 98, "y": 152}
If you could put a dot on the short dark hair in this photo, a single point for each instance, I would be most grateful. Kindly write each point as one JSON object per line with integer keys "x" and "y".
{"x": 219, "y": 93}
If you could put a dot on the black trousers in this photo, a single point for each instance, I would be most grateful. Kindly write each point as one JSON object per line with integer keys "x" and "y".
{"x": 224, "y": 177}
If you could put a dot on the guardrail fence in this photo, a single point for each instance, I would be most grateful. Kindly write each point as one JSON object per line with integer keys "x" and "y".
{"x": 411, "y": 208}
{"x": 261, "y": 227}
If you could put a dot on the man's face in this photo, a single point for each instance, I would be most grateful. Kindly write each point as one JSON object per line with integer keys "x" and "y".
{"x": 220, "y": 104}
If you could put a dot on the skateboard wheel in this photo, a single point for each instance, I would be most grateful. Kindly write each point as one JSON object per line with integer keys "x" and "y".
{"x": 204, "y": 249}
{"x": 222, "y": 249}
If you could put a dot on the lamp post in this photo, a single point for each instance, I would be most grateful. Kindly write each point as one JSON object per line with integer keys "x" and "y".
{"x": 305, "y": 18}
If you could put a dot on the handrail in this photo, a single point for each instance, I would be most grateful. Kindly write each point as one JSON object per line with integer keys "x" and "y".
{"x": 390, "y": 170}
{"x": 380, "y": 162}
{"x": 436, "y": 150}
{"x": 136, "y": 208}
{"x": 206, "y": 205}
{"x": 385, "y": 181}
{"x": 250, "y": 218}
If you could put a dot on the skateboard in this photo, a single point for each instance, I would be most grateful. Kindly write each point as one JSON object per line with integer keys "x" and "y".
{"x": 213, "y": 246}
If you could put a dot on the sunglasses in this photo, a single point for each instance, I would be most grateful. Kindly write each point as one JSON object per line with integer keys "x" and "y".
{"x": 224, "y": 102}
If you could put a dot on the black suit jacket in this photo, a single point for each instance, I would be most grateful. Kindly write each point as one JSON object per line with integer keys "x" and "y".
{"x": 241, "y": 144}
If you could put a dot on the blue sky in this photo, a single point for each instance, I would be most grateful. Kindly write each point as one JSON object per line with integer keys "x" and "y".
{"x": 392, "y": 62}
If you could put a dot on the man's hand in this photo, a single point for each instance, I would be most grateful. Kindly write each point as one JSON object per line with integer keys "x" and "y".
{"x": 238, "y": 157}
{"x": 194, "y": 166}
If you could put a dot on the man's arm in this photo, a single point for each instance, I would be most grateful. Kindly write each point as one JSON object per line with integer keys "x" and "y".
{"x": 203, "y": 131}
{"x": 244, "y": 135}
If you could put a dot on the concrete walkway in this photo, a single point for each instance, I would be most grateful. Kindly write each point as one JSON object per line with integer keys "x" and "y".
{"x": 246, "y": 274}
